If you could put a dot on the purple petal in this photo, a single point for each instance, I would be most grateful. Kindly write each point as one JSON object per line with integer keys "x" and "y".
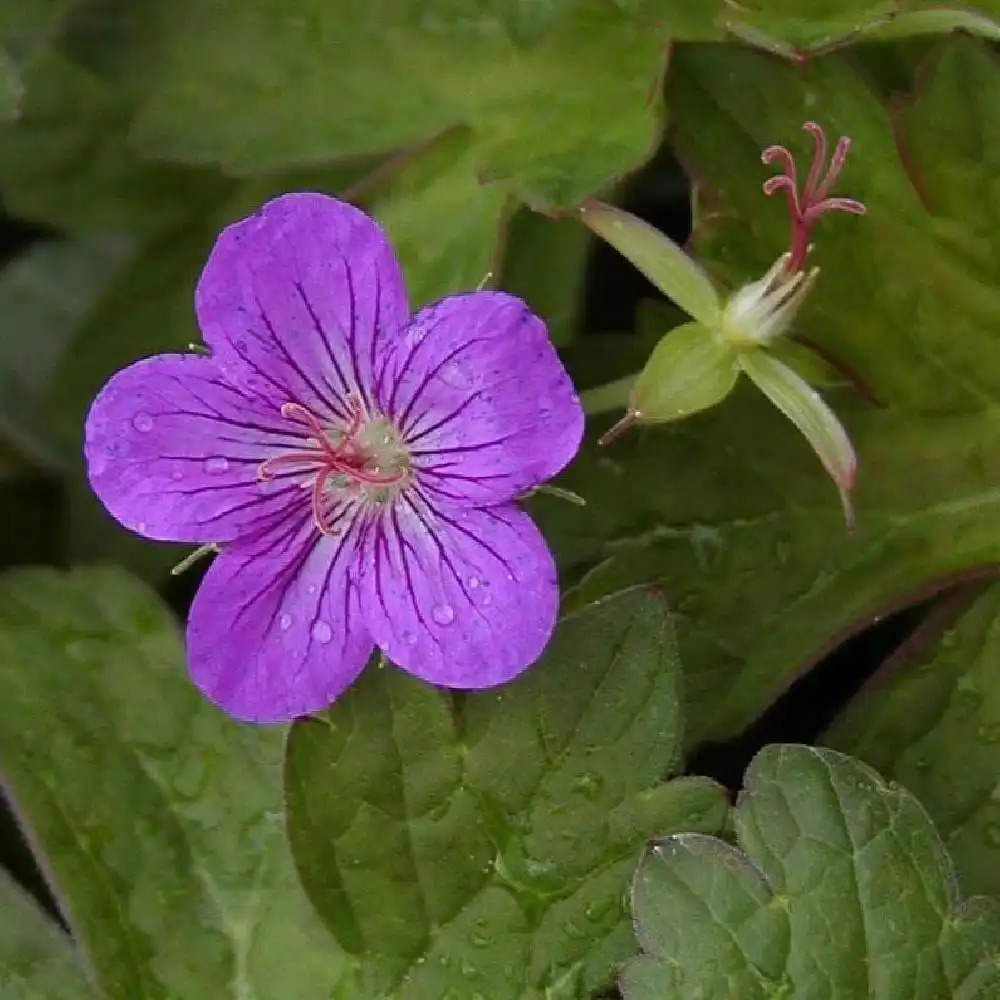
{"x": 298, "y": 301}
{"x": 479, "y": 392}
{"x": 464, "y": 599}
{"x": 173, "y": 451}
{"x": 275, "y": 631}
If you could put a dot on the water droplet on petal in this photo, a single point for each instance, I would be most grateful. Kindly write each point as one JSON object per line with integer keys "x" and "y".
{"x": 216, "y": 465}
{"x": 473, "y": 582}
{"x": 142, "y": 422}
{"x": 408, "y": 636}
{"x": 457, "y": 375}
{"x": 322, "y": 632}
{"x": 285, "y": 621}
{"x": 443, "y": 614}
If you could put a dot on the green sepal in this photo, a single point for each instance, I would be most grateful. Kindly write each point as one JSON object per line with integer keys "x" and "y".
{"x": 804, "y": 406}
{"x": 689, "y": 370}
{"x": 657, "y": 256}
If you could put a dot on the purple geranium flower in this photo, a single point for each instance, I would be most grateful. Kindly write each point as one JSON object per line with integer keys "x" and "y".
{"x": 357, "y": 467}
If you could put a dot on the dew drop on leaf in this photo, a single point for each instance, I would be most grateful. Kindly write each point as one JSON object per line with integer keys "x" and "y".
{"x": 989, "y": 733}
{"x": 599, "y": 909}
{"x": 588, "y": 785}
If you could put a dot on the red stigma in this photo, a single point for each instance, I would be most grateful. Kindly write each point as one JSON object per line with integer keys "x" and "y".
{"x": 325, "y": 460}
{"x": 814, "y": 200}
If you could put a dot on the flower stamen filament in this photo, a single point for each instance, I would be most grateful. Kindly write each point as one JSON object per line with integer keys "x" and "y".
{"x": 340, "y": 456}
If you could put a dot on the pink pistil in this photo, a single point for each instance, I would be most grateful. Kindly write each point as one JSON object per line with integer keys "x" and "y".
{"x": 326, "y": 460}
{"x": 805, "y": 208}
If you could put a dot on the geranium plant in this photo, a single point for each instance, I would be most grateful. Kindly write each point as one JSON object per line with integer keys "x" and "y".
{"x": 371, "y": 628}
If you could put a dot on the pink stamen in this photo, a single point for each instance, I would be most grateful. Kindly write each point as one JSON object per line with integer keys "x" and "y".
{"x": 819, "y": 158}
{"x": 326, "y": 460}
{"x": 805, "y": 207}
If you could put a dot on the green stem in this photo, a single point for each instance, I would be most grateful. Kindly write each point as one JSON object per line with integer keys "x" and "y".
{"x": 608, "y": 398}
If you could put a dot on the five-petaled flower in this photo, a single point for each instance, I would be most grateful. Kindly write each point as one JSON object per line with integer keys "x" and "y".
{"x": 358, "y": 467}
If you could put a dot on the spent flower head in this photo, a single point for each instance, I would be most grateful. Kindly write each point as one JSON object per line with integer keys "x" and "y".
{"x": 356, "y": 467}
{"x": 696, "y": 365}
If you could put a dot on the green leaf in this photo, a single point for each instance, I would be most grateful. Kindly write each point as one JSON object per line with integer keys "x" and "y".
{"x": 25, "y": 25}
{"x": 66, "y": 161}
{"x": 689, "y": 370}
{"x": 933, "y": 723}
{"x": 482, "y": 842}
{"x": 559, "y": 109}
{"x": 37, "y": 960}
{"x": 807, "y": 364}
{"x": 840, "y": 888}
{"x": 27, "y": 22}
{"x": 11, "y": 88}
{"x": 730, "y": 515}
{"x": 940, "y": 21}
{"x": 661, "y": 260}
{"x": 788, "y": 27}
{"x": 737, "y": 523}
{"x": 43, "y": 296}
{"x": 445, "y": 226}
{"x": 545, "y": 262}
{"x": 158, "y": 818}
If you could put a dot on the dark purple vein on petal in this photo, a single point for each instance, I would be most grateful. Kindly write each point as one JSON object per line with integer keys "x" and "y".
{"x": 334, "y": 403}
{"x": 324, "y": 337}
{"x": 474, "y": 537}
{"x": 403, "y": 547}
{"x": 352, "y": 339}
{"x": 464, "y": 448}
{"x": 412, "y": 437}
{"x": 443, "y": 555}
{"x": 402, "y": 419}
